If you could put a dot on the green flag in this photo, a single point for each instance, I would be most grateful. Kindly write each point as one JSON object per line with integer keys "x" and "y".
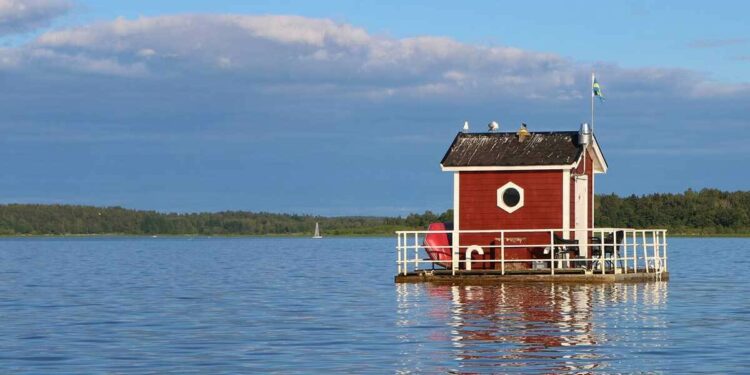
{"x": 596, "y": 90}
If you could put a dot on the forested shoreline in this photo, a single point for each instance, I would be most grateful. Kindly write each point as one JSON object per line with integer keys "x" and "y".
{"x": 705, "y": 212}
{"x": 708, "y": 212}
{"x": 38, "y": 219}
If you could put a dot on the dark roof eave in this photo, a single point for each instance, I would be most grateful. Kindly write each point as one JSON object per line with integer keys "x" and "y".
{"x": 447, "y": 152}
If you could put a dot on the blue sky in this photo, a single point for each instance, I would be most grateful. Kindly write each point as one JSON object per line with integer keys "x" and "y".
{"x": 339, "y": 107}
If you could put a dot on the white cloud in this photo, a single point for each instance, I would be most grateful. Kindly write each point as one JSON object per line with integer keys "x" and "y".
{"x": 18, "y": 16}
{"x": 146, "y": 52}
{"x": 283, "y": 51}
{"x": 186, "y": 69}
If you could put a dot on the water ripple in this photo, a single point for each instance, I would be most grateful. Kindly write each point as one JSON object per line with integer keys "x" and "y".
{"x": 137, "y": 305}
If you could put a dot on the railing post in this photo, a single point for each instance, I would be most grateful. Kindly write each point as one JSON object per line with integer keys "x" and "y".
{"x": 454, "y": 252}
{"x": 405, "y": 254}
{"x": 602, "y": 253}
{"x": 663, "y": 239}
{"x": 658, "y": 252}
{"x": 645, "y": 251}
{"x": 398, "y": 253}
{"x": 615, "y": 247}
{"x": 625, "y": 251}
{"x": 551, "y": 252}
{"x": 416, "y": 251}
{"x": 502, "y": 253}
{"x": 635, "y": 252}
{"x": 655, "y": 253}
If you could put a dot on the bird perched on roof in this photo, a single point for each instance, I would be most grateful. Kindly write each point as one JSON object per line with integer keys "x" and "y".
{"x": 493, "y": 126}
{"x": 523, "y": 132}
{"x": 466, "y": 126}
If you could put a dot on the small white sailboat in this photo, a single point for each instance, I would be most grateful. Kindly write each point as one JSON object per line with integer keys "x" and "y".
{"x": 317, "y": 231}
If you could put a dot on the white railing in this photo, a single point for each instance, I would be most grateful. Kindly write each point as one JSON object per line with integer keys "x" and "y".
{"x": 613, "y": 250}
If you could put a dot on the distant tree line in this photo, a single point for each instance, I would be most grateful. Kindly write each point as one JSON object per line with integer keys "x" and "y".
{"x": 36, "y": 219}
{"x": 707, "y": 212}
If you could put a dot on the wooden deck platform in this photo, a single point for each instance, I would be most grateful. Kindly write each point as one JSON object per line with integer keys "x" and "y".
{"x": 572, "y": 275}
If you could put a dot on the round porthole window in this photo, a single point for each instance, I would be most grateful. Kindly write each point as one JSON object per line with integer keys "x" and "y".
{"x": 510, "y": 197}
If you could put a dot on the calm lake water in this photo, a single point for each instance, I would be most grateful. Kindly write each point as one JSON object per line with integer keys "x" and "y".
{"x": 142, "y": 305}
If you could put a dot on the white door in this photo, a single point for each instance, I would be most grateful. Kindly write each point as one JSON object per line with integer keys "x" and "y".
{"x": 582, "y": 214}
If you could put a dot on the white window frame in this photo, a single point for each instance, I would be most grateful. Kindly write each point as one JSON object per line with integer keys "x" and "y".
{"x": 501, "y": 203}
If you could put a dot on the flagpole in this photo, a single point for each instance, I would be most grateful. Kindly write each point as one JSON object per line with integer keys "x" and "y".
{"x": 593, "y": 78}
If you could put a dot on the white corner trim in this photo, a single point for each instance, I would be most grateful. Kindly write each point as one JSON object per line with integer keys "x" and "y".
{"x": 456, "y": 199}
{"x": 566, "y": 203}
{"x": 501, "y": 202}
{"x": 599, "y": 164}
{"x": 592, "y": 194}
{"x": 456, "y": 221}
{"x": 599, "y": 159}
{"x": 505, "y": 168}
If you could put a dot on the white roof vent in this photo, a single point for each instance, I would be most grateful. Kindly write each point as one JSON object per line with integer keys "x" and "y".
{"x": 584, "y": 134}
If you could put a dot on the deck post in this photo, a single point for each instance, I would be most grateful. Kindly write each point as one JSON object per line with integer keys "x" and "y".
{"x": 625, "y": 251}
{"x": 454, "y": 252}
{"x": 502, "y": 253}
{"x": 398, "y": 252}
{"x": 551, "y": 251}
{"x": 645, "y": 251}
{"x": 635, "y": 250}
{"x": 615, "y": 247}
{"x": 654, "y": 252}
{"x": 602, "y": 253}
{"x": 416, "y": 251}
{"x": 657, "y": 250}
{"x": 661, "y": 251}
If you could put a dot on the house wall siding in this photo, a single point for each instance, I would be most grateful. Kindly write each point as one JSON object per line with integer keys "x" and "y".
{"x": 542, "y": 208}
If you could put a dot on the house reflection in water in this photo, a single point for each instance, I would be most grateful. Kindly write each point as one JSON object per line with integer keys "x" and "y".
{"x": 535, "y": 327}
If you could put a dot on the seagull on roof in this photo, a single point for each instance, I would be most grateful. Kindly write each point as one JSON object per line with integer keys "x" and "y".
{"x": 466, "y": 126}
{"x": 493, "y": 126}
{"x": 523, "y": 132}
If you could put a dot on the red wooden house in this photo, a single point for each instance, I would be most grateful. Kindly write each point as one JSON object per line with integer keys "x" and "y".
{"x": 541, "y": 180}
{"x": 524, "y": 210}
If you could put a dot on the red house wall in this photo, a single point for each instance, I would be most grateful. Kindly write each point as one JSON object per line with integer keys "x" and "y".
{"x": 542, "y": 200}
{"x": 478, "y": 208}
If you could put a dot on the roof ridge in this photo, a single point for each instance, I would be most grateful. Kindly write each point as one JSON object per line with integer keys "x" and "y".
{"x": 532, "y": 132}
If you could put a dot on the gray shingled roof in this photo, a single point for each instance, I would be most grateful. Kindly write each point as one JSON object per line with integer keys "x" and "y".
{"x": 505, "y": 149}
